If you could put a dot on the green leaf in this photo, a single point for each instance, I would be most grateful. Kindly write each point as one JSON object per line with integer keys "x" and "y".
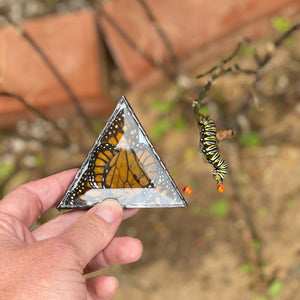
{"x": 256, "y": 245}
{"x": 6, "y": 168}
{"x": 39, "y": 160}
{"x": 32, "y": 161}
{"x": 251, "y": 139}
{"x": 247, "y": 268}
{"x": 259, "y": 297}
{"x": 204, "y": 110}
{"x": 172, "y": 172}
{"x": 281, "y": 24}
{"x": 275, "y": 288}
{"x": 246, "y": 50}
{"x": 291, "y": 203}
{"x": 51, "y": 1}
{"x": 220, "y": 208}
{"x": 164, "y": 106}
{"x": 160, "y": 129}
{"x": 180, "y": 124}
{"x": 262, "y": 211}
{"x": 98, "y": 126}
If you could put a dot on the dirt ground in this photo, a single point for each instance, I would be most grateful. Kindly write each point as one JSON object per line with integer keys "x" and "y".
{"x": 199, "y": 252}
{"x": 242, "y": 244}
{"x": 193, "y": 254}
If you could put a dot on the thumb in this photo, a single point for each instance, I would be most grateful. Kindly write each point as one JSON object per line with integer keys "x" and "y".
{"x": 94, "y": 230}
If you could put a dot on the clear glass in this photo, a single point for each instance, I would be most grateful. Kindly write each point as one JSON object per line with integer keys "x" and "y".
{"x": 124, "y": 165}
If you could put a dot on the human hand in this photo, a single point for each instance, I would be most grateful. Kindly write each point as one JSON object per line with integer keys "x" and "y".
{"x": 50, "y": 262}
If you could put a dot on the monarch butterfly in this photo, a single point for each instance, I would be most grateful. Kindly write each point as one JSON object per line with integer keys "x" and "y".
{"x": 209, "y": 149}
{"x": 123, "y": 164}
{"x": 120, "y": 162}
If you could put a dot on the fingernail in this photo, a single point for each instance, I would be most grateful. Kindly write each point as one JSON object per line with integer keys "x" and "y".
{"x": 109, "y": 210}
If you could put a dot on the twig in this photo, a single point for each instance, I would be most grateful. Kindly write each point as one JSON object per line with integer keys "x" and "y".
{"x": 243, "y": 212}
{"x": 39, "y": 114}
{"x": 216, "y": 72}
{"x": 163, "y": 68}
{"x": 260, "y": 62}
{"x": 162, "y": 34}
{"x": 226, "y": 60}
{"x": 279, "y": 40}
{"x": 47, "y": 143}
{"x": 51, "y": 66}
{"x": 277, "y": 43}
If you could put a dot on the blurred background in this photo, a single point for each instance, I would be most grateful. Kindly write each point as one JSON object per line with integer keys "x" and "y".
{"x": 64, "y": 64}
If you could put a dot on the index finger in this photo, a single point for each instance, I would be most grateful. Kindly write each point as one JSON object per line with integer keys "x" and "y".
{"x": 30, "y": 200}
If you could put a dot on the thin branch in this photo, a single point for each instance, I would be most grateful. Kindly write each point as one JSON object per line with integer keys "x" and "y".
{"x": 162, "y": 34}
{"x": 225, "y": 60}
{"x": 260, "y": 62}
{"x": 51, "y": 66}
{"x": 47, "y": 143}
{"x": 277, "y": 43}
{"x": 216, "y": 72}
{"x": 164, "y": 69}
{"x": 39, "y": 114}
{"x": 279, "y": 40}
{"x": 243, "y": 212}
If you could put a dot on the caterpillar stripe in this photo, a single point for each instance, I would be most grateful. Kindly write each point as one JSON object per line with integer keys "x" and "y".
{"x": 209, "y": 149}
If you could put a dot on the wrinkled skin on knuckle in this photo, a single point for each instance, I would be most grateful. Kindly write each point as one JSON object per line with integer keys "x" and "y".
{"x": 60, "y": 250}
{"x": 96, "y": 230}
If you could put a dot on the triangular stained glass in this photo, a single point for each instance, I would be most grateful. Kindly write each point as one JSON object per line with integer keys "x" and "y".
{"x": 123, "y": 164}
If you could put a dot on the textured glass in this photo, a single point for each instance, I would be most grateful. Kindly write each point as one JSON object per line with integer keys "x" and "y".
{"x": 123, "y": 164}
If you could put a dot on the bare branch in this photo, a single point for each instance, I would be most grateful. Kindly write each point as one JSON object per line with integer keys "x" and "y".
{"x": 51, "y": 66}
{"x": 260, "y": 62}
{"x": 277, "y": 43}
{"x": 250, "y": 232}
{"x": 226, "y": 60}
{"x": 163, "y": 68}
{"x": 279, "y": 40}
{"x": 39, "y": 114}
{"x": 162, "y": 34}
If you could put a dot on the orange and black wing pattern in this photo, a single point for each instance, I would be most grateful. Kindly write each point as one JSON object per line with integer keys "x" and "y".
{"x": 123, "y": 164}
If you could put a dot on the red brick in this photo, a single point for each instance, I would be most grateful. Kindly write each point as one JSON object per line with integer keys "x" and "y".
{"x": 191, "y": 26}
{"x": 71, "y": 42}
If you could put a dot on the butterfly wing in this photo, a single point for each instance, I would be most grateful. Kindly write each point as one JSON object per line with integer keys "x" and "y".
{"x": 123, "y": 164}
{"x": 125, "y": 170}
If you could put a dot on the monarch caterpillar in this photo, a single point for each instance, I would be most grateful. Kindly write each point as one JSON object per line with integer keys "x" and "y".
{"x": 209, "y": 149}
